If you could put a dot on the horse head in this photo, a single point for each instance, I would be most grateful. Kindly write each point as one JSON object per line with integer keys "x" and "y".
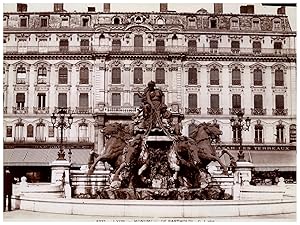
{"x": 111, "y": 129}
{"x": 205, "y": 131}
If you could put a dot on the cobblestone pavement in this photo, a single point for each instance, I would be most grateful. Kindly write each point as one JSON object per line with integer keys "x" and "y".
{"x": 28, "y": 216}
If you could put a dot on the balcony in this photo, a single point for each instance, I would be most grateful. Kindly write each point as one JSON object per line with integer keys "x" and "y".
{"x": 215, "y": 111}
{"x": 235, "y": 111}
{"x": 121, "y": 109}
{"x": 58, "y": 139}
{"x": 280, "y": 112}
{"x": 83, "y": 110}
{"x": 280, "y": 141}
{"x": 20, "y": 110}
{"x": 83, "y": 140}
{"x": 147, "y": 50}
{"x": 21, "y": 81}
{"x": 19, "y": 139}
{"x": 236, "y": 140}
{"x": 40, "y": 139}
{"x": 41, "y": 110}
{"x": 259, "y": 141}
{"x": 193, "y": 111}
{"x": 258, "y": 111}
{"x": 41, "y": 80}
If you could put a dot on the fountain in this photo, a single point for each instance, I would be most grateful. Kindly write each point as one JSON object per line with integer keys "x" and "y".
{"x": 152, "y": 160}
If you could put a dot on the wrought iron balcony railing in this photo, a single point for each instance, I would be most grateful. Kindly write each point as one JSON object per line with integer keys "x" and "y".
{"x": 236, "y": 140}
{"x": 259, "y": 140}
{"x": 83, "y": 139}
{"x": 65, "y": 139}
{"x": 235, "y": 111}
{"x": 41, "y": 110}
{"x": 21, "y": 81}
{"x": 83, "y": 110}
{"x": 121, "y": 109}
{"x": 215, "y": 111}
{"x": 41, "y": 80}
{"x": 19, "y": 139}
{"x": 145, "y": 50}
{"x": 20, "y": 110}
{"x": 280, "y": 112}
{"x": 40, "y": 139}
{"x": 193, "y": 111}
{"x": 258, "y": 111}
{"x": 280, "y": 141}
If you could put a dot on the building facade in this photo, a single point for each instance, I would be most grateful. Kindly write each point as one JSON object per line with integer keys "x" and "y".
{"x": 210, "y": 65}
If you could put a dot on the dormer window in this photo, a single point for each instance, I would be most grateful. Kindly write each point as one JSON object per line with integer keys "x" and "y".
{"x": 65, "y": 22}
{"x": 256, "y": 24}
{"x": 276, "y": 24}
{"x": 116, "y": 20}
{"x": 192, "y": 22}
{"x": 44, "y": 22}
{"x": 235, "y": 23}
{"x": 213, "y": 23}
{"x": 85, "y": 22}
{"x": 23, "y": 22}
{"x": 138, "y": 19}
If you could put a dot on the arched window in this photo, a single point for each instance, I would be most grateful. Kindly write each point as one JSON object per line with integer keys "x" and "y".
{"x": 138, "y": 75}
{"x": 42, "y": 75}
{"x": 236, "y": 76}
{"x": 192, "y": 76}
{"x": 214, "y": 76}
{"x": 83, "y": 132}
{"x": 84, "y": 75}
{"x": 160, "y": 75}
{"x": 40, "y": 132}
{"x": 293, "y": 133}
{"x": 280, "y": 134}
{"x": 279, "y": 81}
{"x": 29, "y": 130}
{"x": 21, "y": 75}
{"x": 19, "y": 135}
{"x": 257, "y": 77}
{"x": 174, "y": 40}
{"x": 63, "y": 75}
{"x": 116, "y": 75}
{"x": 258, "y": 132}
{"x": 116, "y": 20}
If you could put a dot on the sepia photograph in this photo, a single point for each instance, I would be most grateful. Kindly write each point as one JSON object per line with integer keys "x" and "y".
{"x": 149, "y": 112}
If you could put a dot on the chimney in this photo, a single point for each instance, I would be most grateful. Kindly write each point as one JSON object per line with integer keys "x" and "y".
{"x": 91, "y": 9}
{"x": 58, "y": 7}
{"x": 281, "y": 10}
{"x": 249, "y": 9}
{"x": 163, "y": 7}
{"x": 21, "y": 7}
{"x": 218, "y": 8}
{"x": 106, "y": 7}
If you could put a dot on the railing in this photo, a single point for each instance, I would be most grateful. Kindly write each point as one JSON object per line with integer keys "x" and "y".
{"x": 236, "y": 82}
{"x": 67, "y": 109}
{"x": 279, "y": 83}
{"x": 280, "y": 141}
{"x": 58, "y": 139}
{"x": 20, "y": 110}
{"x": 19, "y": 139}
{"x": 235, "y": 111}
{"x": 258, "y": 111}
{"x": 21, "y": 80}
{"x": 41, "y": 80}
{"x": 41, "y": 110}
{"x": 193, "y": 111}
{"x": 148, "y": 49}
{"x": 83, "y": 139}
{"x": 280, "y": 112}
{"x": 258, "y": 141}
{"x": 40, "y": 139}
{"x": 236, "y": 140}
{"x": 121, "y": 109}
{"x": 83, "y": 110}
{"x": 215, "y": 111}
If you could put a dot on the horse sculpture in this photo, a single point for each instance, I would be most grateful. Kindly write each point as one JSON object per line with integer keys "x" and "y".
{"x": 117, "y": 135}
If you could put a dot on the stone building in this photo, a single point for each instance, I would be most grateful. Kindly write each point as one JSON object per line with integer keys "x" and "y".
{"x": 209, "y": 65}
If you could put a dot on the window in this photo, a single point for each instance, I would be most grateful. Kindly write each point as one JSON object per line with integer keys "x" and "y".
{"x": 22, "y": 46}
{"x": 20, "y": 100}
{"x": 43, "y": 45}
{"x": 116, "y": 75}
{"x": 276, "y": 25}
{"x": 44, "y": 22}
{"x": 116, "y": 20}
{"x": 235, "y": 23}
{"x": 83, "y": 132}
{"x": 116, "y": 99}
{"x": 257, "y": 74}
{"x": 236, "y": 101}
{"x": 50, "y": 131}
{"x": 280, "y": 134}
{"x": 102, "y": 40}
{"x": 236, "y": 134}
{"x": 192, "y": 101}
{"x": 258, "y": 133}
{"x": 63, "y": 45}
{"x": 116, "y": 45}
{"x": 138, "y": 75}
{"x": 8, "y": 131}
{"x": 293, "y": 133}
{"x": 214, "y": 101}
{"x": 41, "y": 100}
{"x": 214, "y": 76}
{"x": 279, "y": 102}
{"x": 40, "y": 132}
{"x": 83, "y": 100}
{"x": 29, "y": 130}
{"x": 136, "y": 100}
{"x": 160, "y": 45}
{"x": 23, "y": 22}
{"x": 258, "y": 101}
{"x": 213, "y": 23}
{"x": 84, "y": 75}
{"x": 213, "y": 44}
{"x": 19, "y": 135}
{"x": 65, "y": 22}
{"x": 277, "y": 47}
{"x": 235, "y": 46}
{"x": 191, "y": 128}
{"x": 63, "y": 75}
{"x": 85, "y": 22}
{"x": 21, "y": 75}
{"x": 236, "y": 76}
{"x": 84, "y": 45}
{"x": 138, "y": 43}
{"x": 174, "y": 40}
{"x": 255, "y": 24}
{"x": 160, "y": 75}
{"x": 62, "y": 100}
{"x": 279, "y": 81}
{"x": 256, "y": 47}
{"x": 192, "y": 46}
{"x": 42, "y": 75}
{"x": 192, "y": 76}
{"x": 192, "y": 22}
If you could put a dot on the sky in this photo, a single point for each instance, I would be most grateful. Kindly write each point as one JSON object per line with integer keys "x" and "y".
{"x": 129, "y": 6}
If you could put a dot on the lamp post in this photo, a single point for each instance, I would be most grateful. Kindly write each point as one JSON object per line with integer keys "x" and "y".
{"x": 240, "y": 124}
{"x": 58, "y": 121}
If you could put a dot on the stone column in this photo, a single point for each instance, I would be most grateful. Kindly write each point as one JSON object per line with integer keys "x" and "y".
{"x": 99, "y": 138}
{"x": 99, "y": 81}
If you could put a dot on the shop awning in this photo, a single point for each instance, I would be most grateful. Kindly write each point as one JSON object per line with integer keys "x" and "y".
{"x": 42, "y": 157}
{"x": 269, "y": 160}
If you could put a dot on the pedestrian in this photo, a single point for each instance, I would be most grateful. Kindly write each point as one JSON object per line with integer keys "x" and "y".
{"x": 8, "y": 181}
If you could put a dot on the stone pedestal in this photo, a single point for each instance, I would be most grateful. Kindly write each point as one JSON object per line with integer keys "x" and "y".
{"x": 242, "y": 177}
{"x": 60, "y": 173}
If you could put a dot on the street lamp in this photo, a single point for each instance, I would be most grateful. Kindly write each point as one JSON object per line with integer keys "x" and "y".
{"x": 58, "y": 121}
{"x": 240, "y": 124}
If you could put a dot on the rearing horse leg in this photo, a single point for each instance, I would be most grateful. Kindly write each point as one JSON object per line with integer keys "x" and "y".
{"x": 93, "y": 166}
